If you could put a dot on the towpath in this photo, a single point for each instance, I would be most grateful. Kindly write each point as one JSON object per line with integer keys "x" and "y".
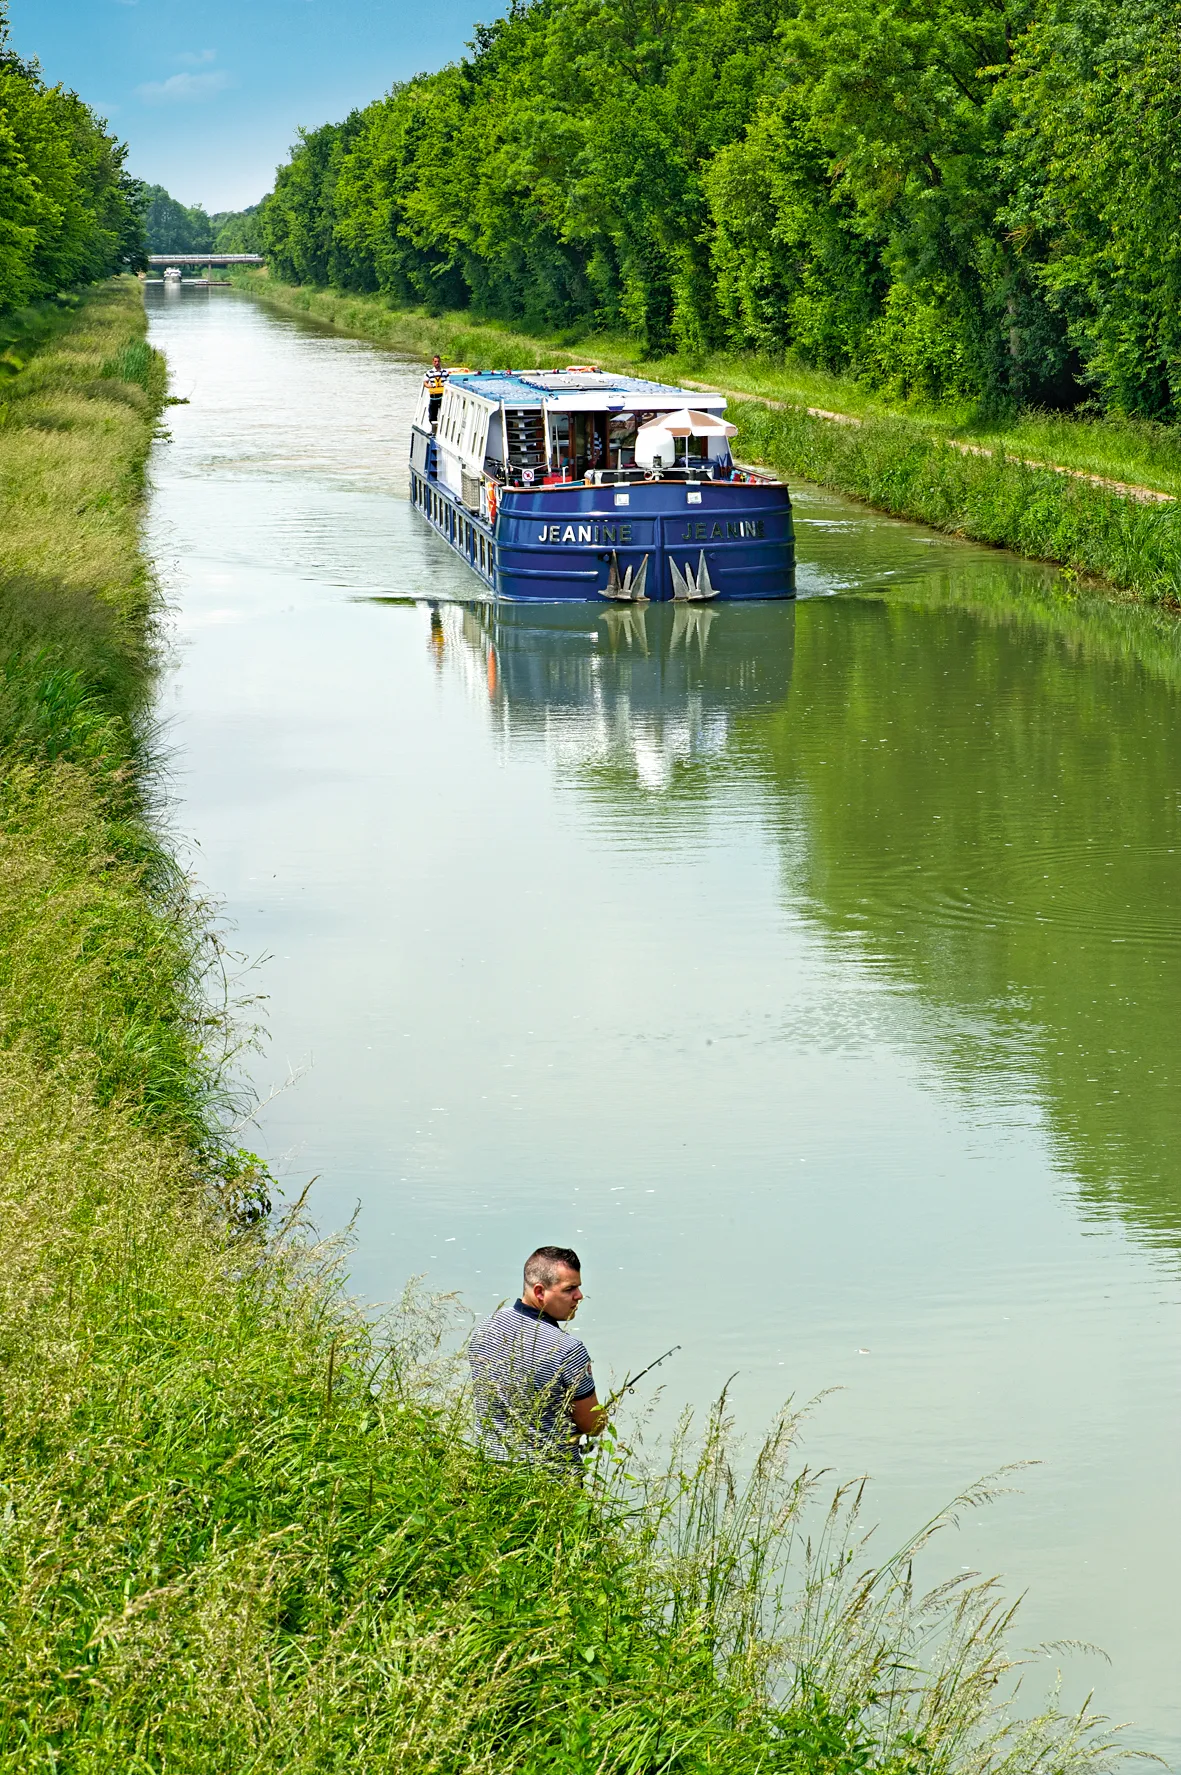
{"x": 1145, "y": 495}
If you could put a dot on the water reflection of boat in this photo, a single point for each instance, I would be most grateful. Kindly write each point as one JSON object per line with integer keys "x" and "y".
{"x": 649, "y": 687}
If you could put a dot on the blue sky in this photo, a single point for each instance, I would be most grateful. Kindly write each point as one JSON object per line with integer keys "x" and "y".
{"x": 209, "y": 93}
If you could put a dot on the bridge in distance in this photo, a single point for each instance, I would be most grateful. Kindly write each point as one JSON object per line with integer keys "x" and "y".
{"x": 163, "y": 260}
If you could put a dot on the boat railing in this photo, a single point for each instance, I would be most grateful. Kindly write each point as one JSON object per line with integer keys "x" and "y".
{"x": 719, "y": 473}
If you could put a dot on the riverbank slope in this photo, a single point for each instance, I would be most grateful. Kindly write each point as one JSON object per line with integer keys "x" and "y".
{"x": 1006, "y": 485}
{"x": 242, "y": 1529}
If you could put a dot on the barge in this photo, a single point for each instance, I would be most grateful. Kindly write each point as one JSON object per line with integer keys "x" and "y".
{"x": 579, "y": 485}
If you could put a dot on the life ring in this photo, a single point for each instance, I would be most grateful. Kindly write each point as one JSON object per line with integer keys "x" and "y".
{"x": 492, "y": 504}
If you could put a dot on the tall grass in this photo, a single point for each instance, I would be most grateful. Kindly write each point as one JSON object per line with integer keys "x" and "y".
{"x": 75, "y": 431}
{"x": 241, "y": 1526}
{"x": 103, "y": 947}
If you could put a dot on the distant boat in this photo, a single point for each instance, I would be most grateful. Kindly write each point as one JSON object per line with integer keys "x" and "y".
{"x": 172, "y": 274}
{"x": 580, "y": 485}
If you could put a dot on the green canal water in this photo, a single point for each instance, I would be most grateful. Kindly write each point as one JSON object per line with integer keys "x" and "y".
{"x": 814, "y": 969}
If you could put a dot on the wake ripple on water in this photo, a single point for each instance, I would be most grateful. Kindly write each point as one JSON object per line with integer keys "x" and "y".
{"x": 1064, "y": 886}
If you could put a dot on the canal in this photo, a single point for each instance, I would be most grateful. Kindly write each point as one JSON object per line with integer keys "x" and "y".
{"x": 765, "y": 929}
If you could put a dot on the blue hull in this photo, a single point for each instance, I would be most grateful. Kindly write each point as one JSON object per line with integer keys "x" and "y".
{"x": 728, "y": 540}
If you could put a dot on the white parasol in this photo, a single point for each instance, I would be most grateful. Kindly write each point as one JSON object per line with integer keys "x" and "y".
{"x": 687, "y": 422}
{"x": 656, "y": 438}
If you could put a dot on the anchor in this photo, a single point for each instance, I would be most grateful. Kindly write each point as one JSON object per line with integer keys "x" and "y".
{"x": 629, "y": 589}
{"x": 687, "y": 586}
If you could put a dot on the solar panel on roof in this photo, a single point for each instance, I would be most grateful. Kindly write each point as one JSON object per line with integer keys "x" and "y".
{"x": 524, "y": 387}
{"x": 569, "y": 382}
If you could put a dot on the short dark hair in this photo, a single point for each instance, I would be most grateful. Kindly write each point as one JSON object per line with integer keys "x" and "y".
{"x": 543, "y": 1265}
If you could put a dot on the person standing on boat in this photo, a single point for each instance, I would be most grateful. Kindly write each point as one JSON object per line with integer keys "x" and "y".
{"x": 435, "y": 381}
{"x": 533, "y": 1389}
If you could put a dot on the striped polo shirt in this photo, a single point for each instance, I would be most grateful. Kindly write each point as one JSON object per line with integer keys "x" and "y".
{"x": 526, "y": 1371}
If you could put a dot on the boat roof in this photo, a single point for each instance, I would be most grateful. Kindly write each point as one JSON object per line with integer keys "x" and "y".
{"x": 578, "y": 388}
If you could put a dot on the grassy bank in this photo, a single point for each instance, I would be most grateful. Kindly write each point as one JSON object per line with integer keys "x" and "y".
{"x": 240, "y": 1528}
{"x": 907, "y": 463}
{"x": 898, "y": 467}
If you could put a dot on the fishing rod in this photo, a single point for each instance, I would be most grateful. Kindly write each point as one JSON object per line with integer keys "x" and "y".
{"x": 629, "y": 1386}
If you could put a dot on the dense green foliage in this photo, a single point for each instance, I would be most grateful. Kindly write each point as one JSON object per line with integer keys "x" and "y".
{"x": 69, "y": 212}
{"x": 237, "y": 231}
{"x": 174, "y": 228}
{"x": 965, "y": 197}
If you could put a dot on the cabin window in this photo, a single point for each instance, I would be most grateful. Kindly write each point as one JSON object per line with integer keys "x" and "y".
{"x": 580, "y": 442}
{"x": 477, "y": 431}
{"x": 560, "y": 443}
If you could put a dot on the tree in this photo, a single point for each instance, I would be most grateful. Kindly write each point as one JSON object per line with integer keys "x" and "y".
{"x": 1096, "y": 152}
{"x": 238, "y": 231}
{"x": 945, "y": 197}
{"x": 172, "y": 228}
{"x": 69, "y": 212}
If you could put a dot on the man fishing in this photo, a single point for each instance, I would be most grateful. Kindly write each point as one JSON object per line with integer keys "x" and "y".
{"x": 534, "y": 1390}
